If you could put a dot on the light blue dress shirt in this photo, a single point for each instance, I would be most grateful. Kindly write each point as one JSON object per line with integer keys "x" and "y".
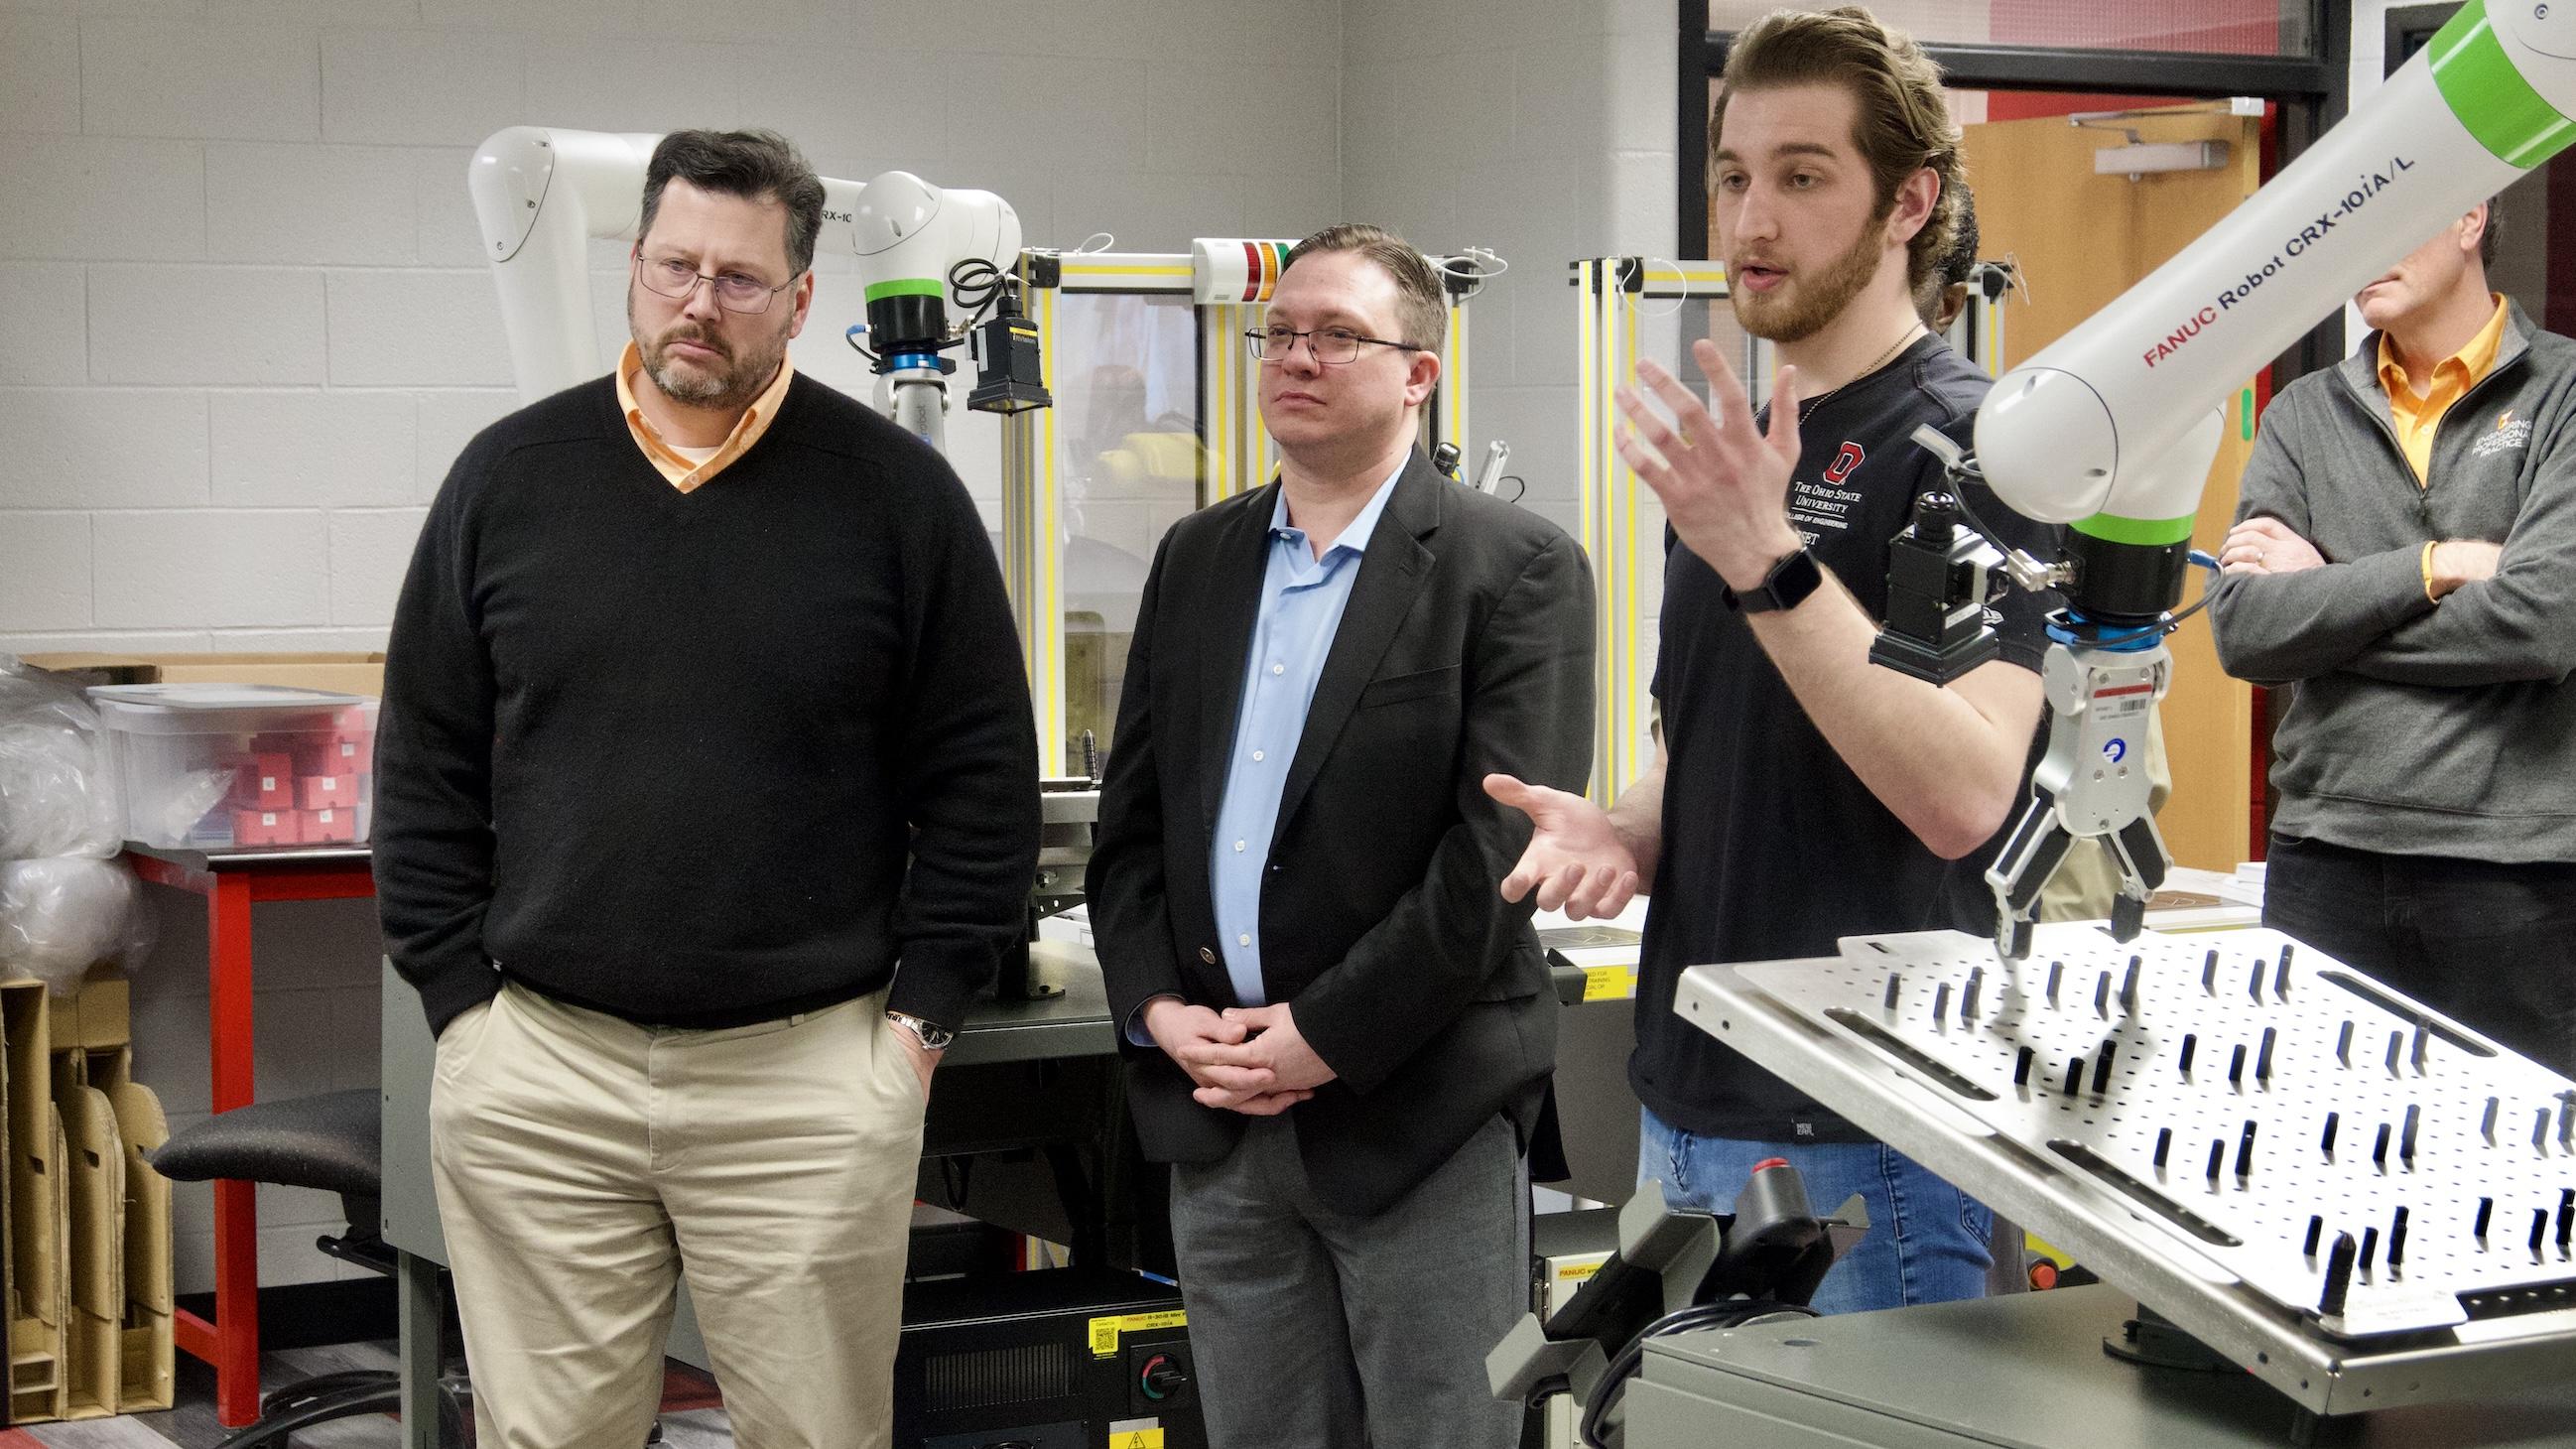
{"x": 1302, "y": 599}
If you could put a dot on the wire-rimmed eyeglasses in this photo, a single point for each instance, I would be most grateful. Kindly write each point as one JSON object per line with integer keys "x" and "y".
{"x": 1332, "y": 346}
{"x": 676, "y": 279}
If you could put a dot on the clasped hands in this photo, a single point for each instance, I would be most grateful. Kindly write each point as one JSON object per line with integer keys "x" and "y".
{"x": 1248, "y": 1059}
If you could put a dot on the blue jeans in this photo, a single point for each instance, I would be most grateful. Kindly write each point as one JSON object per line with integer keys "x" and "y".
{"x": 1928, "y": 1242}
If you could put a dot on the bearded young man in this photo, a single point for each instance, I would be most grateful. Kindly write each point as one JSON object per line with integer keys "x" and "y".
{"x": 703, "y": 713}
{"x": 1803, "y": 794}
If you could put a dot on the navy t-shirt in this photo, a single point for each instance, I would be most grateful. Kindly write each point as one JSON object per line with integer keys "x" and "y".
{"x": 1772, "y": 847}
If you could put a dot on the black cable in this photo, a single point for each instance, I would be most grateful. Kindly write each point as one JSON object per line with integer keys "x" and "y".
{"x": 2166, "y": 625}
{"x": 1613, "y": 1387}
{"x": 977, "y": 284}
{"x": 1959, "y": 501}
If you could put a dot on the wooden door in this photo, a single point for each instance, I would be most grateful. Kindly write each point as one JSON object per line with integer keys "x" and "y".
{"x": 2080, "y": 240}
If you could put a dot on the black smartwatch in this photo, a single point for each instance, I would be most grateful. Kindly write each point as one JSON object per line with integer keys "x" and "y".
{"x": 1787, "y": 586}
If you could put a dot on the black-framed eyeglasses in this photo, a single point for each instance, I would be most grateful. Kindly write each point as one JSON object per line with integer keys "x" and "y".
{"x": 1332, "y": 346}
{"x": 676, "y": 279}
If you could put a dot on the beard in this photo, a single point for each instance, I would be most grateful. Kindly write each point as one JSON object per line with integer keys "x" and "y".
{"x": 729, "y": 383}
{"x": 1808, "y": 304}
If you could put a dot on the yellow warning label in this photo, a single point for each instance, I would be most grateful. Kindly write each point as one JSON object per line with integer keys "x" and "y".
{"x": 1576, "y": 1272}
{"x": 1105, "y": 1332}
{"x": 1609, "y": 983}
{"x": 1136, "y": 1439}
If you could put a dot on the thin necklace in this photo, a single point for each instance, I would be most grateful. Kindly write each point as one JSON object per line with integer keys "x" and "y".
{"x": 1807, "y": 409}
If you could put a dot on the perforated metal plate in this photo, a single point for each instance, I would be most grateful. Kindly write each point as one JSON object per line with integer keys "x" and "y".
{"x": 1931, "y": 1042}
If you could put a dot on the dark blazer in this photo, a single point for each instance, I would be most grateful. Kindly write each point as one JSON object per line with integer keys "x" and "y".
{"x": 1466, "y": 648}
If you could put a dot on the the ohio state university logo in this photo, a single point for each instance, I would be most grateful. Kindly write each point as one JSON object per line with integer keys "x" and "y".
{"x": 1844, "y": 462}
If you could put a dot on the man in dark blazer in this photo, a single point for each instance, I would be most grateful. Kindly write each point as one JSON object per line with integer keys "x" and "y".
{"x": 1335, "y": 1030}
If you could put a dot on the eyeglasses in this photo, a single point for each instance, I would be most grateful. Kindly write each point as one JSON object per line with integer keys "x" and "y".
{"x": 671, "y": 277}
{"x": 1332, "y": 346}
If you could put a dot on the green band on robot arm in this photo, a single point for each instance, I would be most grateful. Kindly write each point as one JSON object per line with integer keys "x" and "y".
{"x": 906, "y": 287}
{"x": 2490, "y": 97}
{"x": 2152, "y": 532}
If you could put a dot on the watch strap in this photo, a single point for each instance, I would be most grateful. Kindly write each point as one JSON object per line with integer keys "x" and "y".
{"x": 1786, "y": 586}
{"x": 932, "y": 1036}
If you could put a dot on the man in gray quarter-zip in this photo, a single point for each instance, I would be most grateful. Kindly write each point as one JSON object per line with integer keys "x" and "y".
{"x": 2405, "y": 555}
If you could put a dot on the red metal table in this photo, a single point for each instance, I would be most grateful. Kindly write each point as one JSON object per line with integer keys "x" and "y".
{"x": 232, "y": 882}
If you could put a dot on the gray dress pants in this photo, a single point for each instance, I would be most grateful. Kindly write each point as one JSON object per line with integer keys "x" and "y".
{"x": 1315, "y": 1329}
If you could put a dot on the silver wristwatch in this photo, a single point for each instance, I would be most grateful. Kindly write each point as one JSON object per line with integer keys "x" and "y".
{"x": 933, "y": 1037}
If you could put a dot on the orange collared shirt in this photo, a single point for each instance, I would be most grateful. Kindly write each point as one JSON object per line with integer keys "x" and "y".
{"x": 2417, "y": 417}
{"x": 684, "y": 470}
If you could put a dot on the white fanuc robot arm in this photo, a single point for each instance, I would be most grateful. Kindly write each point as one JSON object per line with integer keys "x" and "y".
{"x": 541, "y": 194}
{"x": 2111, "y": 429}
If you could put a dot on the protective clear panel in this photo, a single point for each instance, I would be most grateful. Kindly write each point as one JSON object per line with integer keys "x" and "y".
{"x": 1128, "y": 461}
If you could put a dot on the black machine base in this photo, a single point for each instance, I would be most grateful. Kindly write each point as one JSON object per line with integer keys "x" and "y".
{"x": 1068, "y": 1359}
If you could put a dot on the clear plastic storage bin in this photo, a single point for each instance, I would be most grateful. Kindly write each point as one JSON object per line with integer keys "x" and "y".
{"x": 241, "y": 766}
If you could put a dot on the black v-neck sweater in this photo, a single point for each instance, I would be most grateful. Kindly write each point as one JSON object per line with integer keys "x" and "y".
{"x": 710, "y": 758}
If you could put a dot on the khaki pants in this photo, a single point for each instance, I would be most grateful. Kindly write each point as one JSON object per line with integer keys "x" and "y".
{"x": 584, "y": 1163}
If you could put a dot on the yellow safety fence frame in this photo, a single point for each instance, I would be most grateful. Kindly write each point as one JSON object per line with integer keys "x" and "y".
{"x": 1237, "y": 455}
{"x": 1608, "y": 291}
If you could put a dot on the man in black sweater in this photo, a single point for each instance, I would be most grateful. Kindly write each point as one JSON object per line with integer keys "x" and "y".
{"x": 705, "y": 798}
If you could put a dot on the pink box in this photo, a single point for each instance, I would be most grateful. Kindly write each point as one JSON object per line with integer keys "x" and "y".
{"x": 338, "y": 755}
{"x": 327, "y": 792}
{"x": 266, "y": 827}
{"x": 328, "y": 827}
{"x": 266, "y": 781}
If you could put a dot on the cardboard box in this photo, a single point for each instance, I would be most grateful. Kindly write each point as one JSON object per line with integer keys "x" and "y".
{"x": 347, "y": 673}
{"x": 146, "y": 1366}
{"x": 95, "y": 1161}
{"x": 105, "y": 1264}
{"x": 35, "y": 1221}
{"x": 348, "y": 753}
{"x": 327, "y": 827}
{"x": 326, "y": 792}
{"x": 266, "y": 781}
{"x": 266, "y": 827}
{"x": 85, "y": 1258}
{"x": 98, "y": 1019}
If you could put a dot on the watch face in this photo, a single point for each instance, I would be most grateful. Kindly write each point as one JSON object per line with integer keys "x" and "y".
{"x": 932, "y": 1038}
{"x": 1795, "y": 578}
{"x": 1791, "y": 580}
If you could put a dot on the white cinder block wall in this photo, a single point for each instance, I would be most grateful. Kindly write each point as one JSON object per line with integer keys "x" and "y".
{"x": 1545, "y": 131}
{"x": 249, "y": 323}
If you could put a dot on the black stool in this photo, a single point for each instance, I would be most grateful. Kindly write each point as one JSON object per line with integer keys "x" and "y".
{"x": 333, "y": 1142}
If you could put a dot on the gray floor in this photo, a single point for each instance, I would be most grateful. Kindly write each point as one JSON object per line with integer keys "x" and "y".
{"x": 192, "y": 1423}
